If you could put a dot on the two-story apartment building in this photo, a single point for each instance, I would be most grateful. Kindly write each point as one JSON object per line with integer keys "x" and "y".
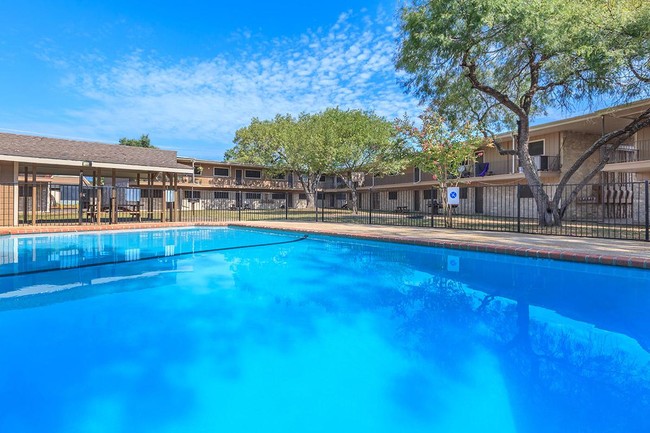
{"x": 228, "y": 185}
{"x": 554, "y": 147}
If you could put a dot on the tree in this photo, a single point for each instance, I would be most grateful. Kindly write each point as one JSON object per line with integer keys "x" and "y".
{"x": 143, "y": 141}
{"x": 501, "y": 61}
{"x": 285, "y": 144}
{"x": 362, "y": 144}
{"x": 442, "y": 149}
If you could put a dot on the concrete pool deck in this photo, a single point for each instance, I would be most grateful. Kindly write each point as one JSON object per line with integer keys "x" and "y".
{"x": 585, "y": 250}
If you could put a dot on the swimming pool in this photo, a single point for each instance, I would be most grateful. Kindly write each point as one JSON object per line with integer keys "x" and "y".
{"x": 181, "y": 331}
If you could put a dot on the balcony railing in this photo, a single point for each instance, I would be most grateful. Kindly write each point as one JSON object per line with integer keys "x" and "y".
{"x": 229, "y": 182}
{"x": 631, "y": 152}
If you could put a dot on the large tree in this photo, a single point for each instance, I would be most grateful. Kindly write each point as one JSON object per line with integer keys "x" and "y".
{"x": 143, "y": 141}
{"x": 442, "y": 148}
{"x": 505, "y": 61}
{"x": 362, "y": 143}
{"x": 285, "y": 144}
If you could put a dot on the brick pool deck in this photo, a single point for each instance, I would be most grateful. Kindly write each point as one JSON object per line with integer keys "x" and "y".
{"x": 585, "y": 250}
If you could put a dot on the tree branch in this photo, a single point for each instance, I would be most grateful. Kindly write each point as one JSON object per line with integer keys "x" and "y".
{"x": 503, "y": 99}
{"x": 620, "y": 135}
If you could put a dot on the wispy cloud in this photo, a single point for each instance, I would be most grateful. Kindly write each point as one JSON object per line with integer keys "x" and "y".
{"x": 348, "y": 64}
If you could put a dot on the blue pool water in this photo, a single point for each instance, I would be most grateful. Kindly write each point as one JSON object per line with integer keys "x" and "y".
{"x": 175, "y": 331}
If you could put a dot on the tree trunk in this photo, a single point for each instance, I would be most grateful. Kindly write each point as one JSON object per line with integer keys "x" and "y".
{"x": 446, "y": 209}
{"x": 548, "y": 213}
{"x": 309, "y": 183}
{"x": 354, "y": 194}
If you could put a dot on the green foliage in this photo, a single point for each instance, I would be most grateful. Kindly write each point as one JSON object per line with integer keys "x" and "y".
{"x": 495, "y": 60}
{"x": 361, "y": 141}
{"x": 335, "y": 141}
{"x": 283, "y": 144}
{"x": 143, "y": 141}
{"x": 442, "y": 148}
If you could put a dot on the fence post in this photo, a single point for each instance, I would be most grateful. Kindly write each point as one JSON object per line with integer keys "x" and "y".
{"x": 286, "y": 205}
{"x": 80, "y": 209}
{"x": 370, "y": 207}
{"x": 322, "y": 207}
{"x": 518, "y": 210}
{"x": 432, "y": 208}
{"x": 647, "y": 212}
{"x": 240, "y": 205}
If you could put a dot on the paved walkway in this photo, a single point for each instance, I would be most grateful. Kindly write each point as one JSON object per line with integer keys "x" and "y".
{"x": 586, "y": 250}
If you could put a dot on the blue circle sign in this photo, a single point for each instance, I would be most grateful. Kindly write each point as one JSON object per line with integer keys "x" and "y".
{"x": 453, "y": 194}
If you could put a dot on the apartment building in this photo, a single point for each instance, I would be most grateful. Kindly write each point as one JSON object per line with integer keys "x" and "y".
{"x": 554, "y": 147}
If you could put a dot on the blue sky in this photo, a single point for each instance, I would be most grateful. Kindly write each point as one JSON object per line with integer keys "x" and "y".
{"x": 190, "y": 73}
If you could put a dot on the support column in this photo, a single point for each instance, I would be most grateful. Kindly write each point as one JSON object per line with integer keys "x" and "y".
{"x": 25, "y": 202}
{"x": 178, "y": 202}
{"x": 34, "y": 203}
{"x": 113, "y": 198}
{"x": 150, "y": 199}
{"x": 164, "y": 198}
{"x": 98, "y": 199}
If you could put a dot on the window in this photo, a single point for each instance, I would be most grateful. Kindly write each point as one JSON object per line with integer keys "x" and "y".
{"x": 153, "y": 193}
{"x": 341, "y": 196}
{"x": 253, "y": 174}
{"x": 416, "y": 174}
{"x": 221, "y": 171}
{"x": 463, "y": 193}
{"x": 193, "y": 195}
{"x": 392, "y": 195}
{"x": 254, "y": 195}
{"x": 27, "y": 189}
{"x": 302, "y": 196}
{"x": 221, "y": 194}
{"x": 536, "y": 148}
{"x": 278, "y": 196}
{"x": 278, "y": 176}
{"x": 525, "y": 191}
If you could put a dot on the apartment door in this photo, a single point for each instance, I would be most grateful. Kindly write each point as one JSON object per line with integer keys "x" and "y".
{"x": 375, "y": 201}
{"x": 416, "y": 201}
{"x": 289, "y": 200}
{"x": 478, "y": 200}
{"x": 238, "y": 177}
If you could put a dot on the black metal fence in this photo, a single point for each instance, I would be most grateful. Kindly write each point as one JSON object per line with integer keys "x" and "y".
{"x": 604, "y": 211}
{"x": 601, "y": 211}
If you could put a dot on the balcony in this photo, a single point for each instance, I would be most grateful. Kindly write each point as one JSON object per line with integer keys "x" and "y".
{"x": 631, "y": 152}
{"x": 233, "y": 183}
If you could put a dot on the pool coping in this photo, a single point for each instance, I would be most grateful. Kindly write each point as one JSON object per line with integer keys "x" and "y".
{"x": 382, "y": 233}
{"x": 539, "y": 253}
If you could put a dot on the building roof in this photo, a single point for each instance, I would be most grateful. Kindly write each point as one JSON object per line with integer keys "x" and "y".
{"x": 596, "y": 122}
{"x": 57, "y": 151}
{"x": 197, "y": 161}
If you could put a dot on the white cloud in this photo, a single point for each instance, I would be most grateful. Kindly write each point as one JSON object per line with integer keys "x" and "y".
{"x": 348, "y": 65}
